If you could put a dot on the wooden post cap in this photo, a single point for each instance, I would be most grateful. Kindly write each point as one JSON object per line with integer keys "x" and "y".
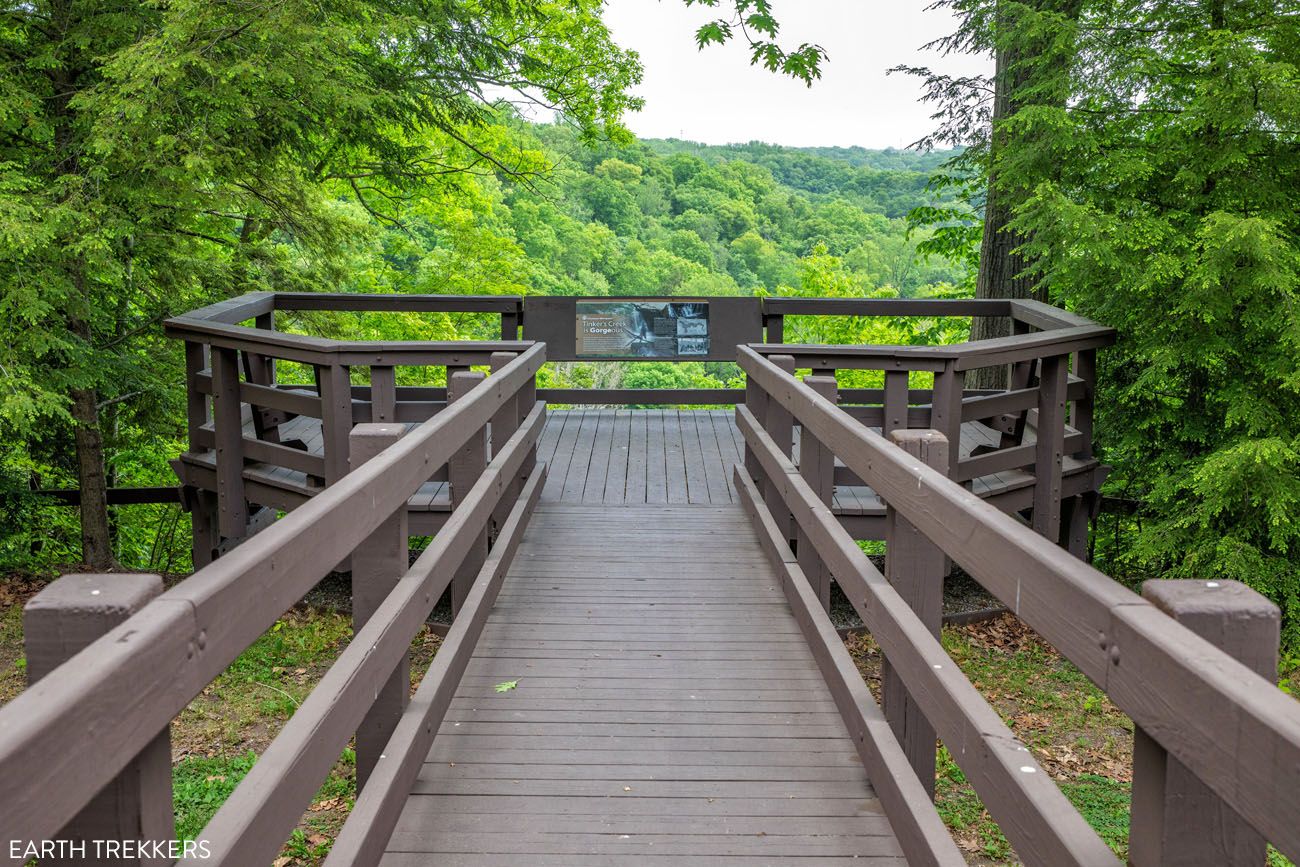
{"x": 1228, "y": 614}
{"x": 75, "y": 610}
{"x": 382, "y": 430}
{"x": 903, "y": 436}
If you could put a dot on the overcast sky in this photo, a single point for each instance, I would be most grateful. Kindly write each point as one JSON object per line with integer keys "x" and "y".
{"x": 715, "y": 96}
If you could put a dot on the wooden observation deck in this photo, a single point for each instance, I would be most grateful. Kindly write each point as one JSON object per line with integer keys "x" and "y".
{"x": 641, "y": 668}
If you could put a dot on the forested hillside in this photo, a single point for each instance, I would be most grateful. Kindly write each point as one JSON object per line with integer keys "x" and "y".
{"x": 1135, "y": 162}
{"x": 562, "y": 217}
{"x": 671, "y": 217}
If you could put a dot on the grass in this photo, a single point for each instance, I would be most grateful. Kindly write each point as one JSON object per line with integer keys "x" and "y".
{"x": 218, "y": 737}
{"x": 200, "y": 785}
{"x": 14, "y": 593}
{"x": 1074, "y": 731}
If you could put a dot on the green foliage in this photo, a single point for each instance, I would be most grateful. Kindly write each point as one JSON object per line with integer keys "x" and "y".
{"x": 313, "y": 637}
{"x": 161, "y": 157}
{"x": 200, "y": 785}
{"x": 1104, "y": 804}
{"x": 1153, "y": 175}
{"x": 753, "y": 19}
{"x": 154, "y": 158}
{"x": 1169, "y": 213}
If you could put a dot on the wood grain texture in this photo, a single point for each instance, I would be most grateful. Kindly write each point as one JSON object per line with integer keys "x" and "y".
{"x": 1040, "y": 823}
{"x": 1157, "y": 671}
{"x": 191, "y": 633}
{"x": 921, "y": 833}
{"x": 618, "y": 744}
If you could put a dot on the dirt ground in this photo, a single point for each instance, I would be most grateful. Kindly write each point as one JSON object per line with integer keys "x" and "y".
{"x": 1073, "y": 729}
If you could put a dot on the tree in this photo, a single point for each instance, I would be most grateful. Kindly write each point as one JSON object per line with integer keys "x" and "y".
{"x": 153, "y": 157}
{"x": 1171, "y": 215}
{"x": 754, "y": 20}
{"x": 1033, "y": 42}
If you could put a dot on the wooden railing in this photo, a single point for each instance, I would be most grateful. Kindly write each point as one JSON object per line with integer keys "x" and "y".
{"x": 90, "y": 734}
{"x": 1217, "y": 746}
{"x": 1043, "y": 418}
{"x": 241, "y": 413}
{"x": 239, "y": 410}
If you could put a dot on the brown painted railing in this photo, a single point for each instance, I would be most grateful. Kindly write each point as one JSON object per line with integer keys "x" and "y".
{"x": 98, "y": 718}
{"x": 1217, "y": 746}
{"x": 231, "y": 381}
{"x": 240, "y": 414}
{"x": 1044, "y": 416}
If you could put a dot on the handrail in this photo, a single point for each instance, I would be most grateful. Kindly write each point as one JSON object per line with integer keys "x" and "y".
{"x": 777, "y": 305}
{"x": 1038, "y": 820}
{"x": 300, "y": 347}
{"x": 190, "y": 634}
{"x": 392, "y": 303}
{"x": 971, "y": 354}
{"x": 1160, "y": 673}
{"x": 253, "y": 823}
{"x": 378, "y": 806}
{"x": 920, "y": 831}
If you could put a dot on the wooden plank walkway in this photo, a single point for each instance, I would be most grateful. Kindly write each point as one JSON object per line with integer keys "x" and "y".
{"x": 641, "y": 456}
{"x": 668, "y": 709}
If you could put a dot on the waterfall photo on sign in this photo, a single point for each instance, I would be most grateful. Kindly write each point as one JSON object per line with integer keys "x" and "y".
{"x": 642, "y": 329}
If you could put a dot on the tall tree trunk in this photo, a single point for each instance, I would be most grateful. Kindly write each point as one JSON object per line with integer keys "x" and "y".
{"x": 1001, "y": 268}
{"x": 96, "y": 535}
{"x": 68, "y": 77}
{"x": 96, "y": 532}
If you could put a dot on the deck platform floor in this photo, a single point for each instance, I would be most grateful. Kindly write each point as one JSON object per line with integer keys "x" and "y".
{"x": 668, "y": 709}
{"x": 618, "y": 456}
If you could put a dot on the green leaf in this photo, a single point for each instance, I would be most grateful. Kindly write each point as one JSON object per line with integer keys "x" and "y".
{"x": 506, "y": 686}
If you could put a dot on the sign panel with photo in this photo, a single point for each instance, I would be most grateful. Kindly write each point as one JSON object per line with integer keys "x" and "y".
{"x": 642, "y": 329}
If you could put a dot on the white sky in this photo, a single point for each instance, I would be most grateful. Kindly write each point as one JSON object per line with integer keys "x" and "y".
{"x": 716, "y": 97}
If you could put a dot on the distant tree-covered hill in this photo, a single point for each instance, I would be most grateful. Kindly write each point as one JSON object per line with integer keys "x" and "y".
{"x": 890, "y": 181}
{"x": 674, "y": 217}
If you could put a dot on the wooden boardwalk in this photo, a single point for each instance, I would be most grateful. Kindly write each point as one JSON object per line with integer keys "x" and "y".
{"x": 640, "y": 456}
{"x": 652, "y": 456}
{"x": 668, "y": 709}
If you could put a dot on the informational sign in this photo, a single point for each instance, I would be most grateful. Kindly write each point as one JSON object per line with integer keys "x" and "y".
{"x": 642, "y": 329}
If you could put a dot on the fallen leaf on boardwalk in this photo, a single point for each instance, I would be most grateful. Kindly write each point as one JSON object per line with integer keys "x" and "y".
{"x": 506, "y": 686}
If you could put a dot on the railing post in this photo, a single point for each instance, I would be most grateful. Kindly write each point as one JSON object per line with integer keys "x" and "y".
{"x": 915, "y": 567}
{"x": 335, "y": 386}
{"x": 463, "y": 471}
{"x": 58, "y": 622}
{"x": 945, "y": 412}
{"x": 775, "y": 328}
{"x": 196, "y": 402}
{"x": 756, "y": 399}
{"x": 1013, "y": 430}
{"x": 383, "y": 394}
{"x": 1050, "y": 446}
{"x": 524, "y": 403}
{"x": 1085, "y": 368}
{"x": 505, "y": 421}
{"x": 377, "y": 565}
{"x": 894, "y": 406}
{"x": 228, "y": 429}
{"x": 779, "y": 425}
{"x": 817, "y": 466}
{"x": 1175, "y": 817}
{"x": 510, "y": 322}
{"x": 205, "y": 530}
